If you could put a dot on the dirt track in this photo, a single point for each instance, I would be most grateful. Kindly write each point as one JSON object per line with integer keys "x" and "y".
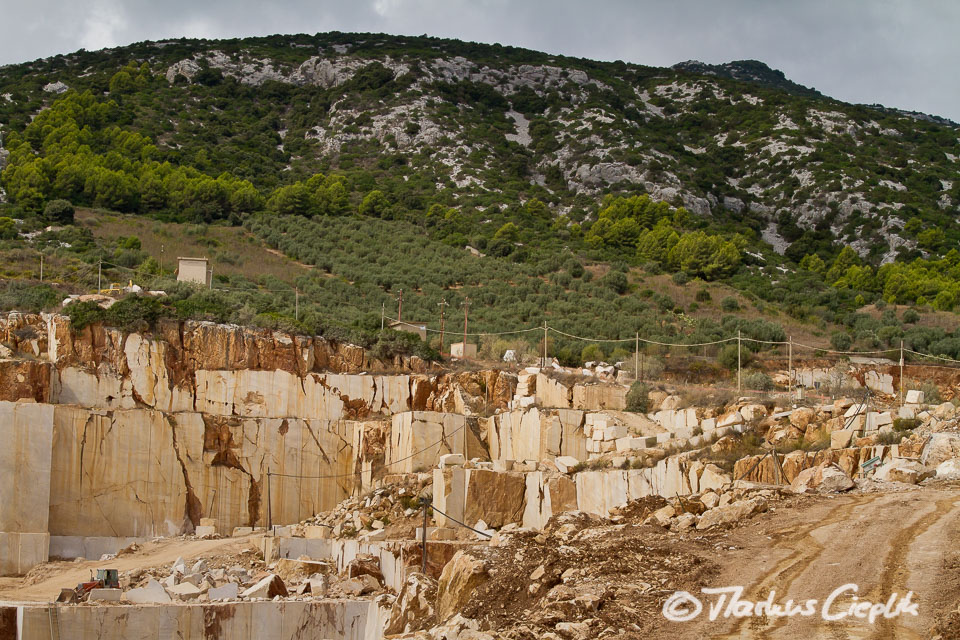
{"x": 883, "y": 542}
{"x": 43, "y": 583}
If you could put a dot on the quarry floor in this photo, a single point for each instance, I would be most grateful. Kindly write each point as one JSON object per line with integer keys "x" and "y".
{"x": 43, "y": 583}
{"x": 899, "y": 539}
{"x": 883, "y": 542}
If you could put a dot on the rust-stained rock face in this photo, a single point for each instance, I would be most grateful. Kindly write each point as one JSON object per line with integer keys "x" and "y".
{"x": 849, "y": 460}
{"x": 25, "y": 380}
{"x": 462, "y": 575}
{"x": 496, "y": 498}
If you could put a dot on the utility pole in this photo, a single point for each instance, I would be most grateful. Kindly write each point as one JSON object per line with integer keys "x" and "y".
{"x": 296, "y": 303}
{"x": 383, "y": 311}
{"x": 400, "y": 307}
{"x": 441, "y": 304}
{"x": 739, "y": 361}
{"x": 790, "y": 367}
{"x": 161, "y": 260}
{"x": 901, "y": 372}
{"x": 466, "y": 308}
{"x": 269, "y": 512}
{"x": 99, "y": 273}
{"x": 636, "y": 358}
{"x": 41, "y": 267}
{"x": 544, "y": 343}
{"x": 423, "y": 536}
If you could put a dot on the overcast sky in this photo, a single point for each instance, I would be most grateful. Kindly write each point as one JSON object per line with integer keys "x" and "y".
{"x": 901, "y": 53}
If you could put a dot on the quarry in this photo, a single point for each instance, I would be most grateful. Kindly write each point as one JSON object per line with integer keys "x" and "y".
{"x": 247, "y": 483}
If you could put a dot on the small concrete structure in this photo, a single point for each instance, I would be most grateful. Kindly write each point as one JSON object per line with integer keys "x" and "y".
{"x": 419, "y": 328}
{"x": 463, "y": 350}
{"x": 194, "y": 270}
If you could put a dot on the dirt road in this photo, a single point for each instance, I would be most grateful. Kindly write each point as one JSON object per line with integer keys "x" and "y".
{"x": 43, "y": 583}
{"x": 884, "y": 543}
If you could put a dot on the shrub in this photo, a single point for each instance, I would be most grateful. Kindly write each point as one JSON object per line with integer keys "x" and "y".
{"x": 758, "y": 380}
{"x": 638, "y": 398}
{"x": 592, "y": 352}
{"x": 729, "y": 356}
{"x": 82, "y": 314}
{"x": 905, "y": 424}
{"x": 703, "y": 295}
{"x": 8, "y": 229}
{"x": 730, "y": 304}
{"x": 681, "y": 278}
{"x": 840, "y": 340}
{"x": 891, "y": 437}
{"x": 58, "y": 212}
{"x": 910, "y": 316}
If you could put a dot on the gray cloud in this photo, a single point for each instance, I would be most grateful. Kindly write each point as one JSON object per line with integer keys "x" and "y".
{"x": 894, "y": 52}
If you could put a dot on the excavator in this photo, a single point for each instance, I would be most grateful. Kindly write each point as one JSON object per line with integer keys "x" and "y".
{"x": 105, "y": 579}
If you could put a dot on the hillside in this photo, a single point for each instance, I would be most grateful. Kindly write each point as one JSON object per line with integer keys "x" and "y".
{"x": 379, "y": 162}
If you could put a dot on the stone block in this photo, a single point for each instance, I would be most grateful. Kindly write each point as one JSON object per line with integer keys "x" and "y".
{"x": 316, "y": 532}
{"x": 730, "y": 419}
{"x": 151, "y": 593}
{"x": 184, "y": 591}
{"x": 451, "y": 460}
{"x": 105, "y": 595}
{"x": 228, "y": 591}
{"x": 614, "y": 432}
{"x": 914, "y": 396}
{"x": 565, "y": 463}
{"x": 855, "y": 409}
{"x": 708, "y": 424}
{"x": 840, "y": 439}
{"x": 205, "y": 532}
{"x": 269, "y": 586}
{"x": 907, "y": 412}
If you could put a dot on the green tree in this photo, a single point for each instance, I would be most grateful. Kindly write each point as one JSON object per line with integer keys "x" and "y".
{"x": 374, "y": 204}
{"x": 58, "y": 212}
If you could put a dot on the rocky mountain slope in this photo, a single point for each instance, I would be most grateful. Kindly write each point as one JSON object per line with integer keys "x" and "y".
{"x": 483, "y": 125}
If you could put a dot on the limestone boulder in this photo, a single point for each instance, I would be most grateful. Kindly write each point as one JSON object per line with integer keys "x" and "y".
{"x": 901, "y": 470}
{"x": 710, "y": 499}
{"x": 361, "y": 585}
{"x": 268, "y": 587}
{"x": 229, "y": 591}
{"x": 841, "y": 438}
{"x": 753, "y": 411}
{"x": 780, "y": 435}
{"x": 802, "y": 417}
{"x": 945, "y": 411}
{"x": 949, "y": 468}
{"x": 413, "y": 607}
{"x": 460, "y": 577}
{"x": 365, "y": 565}
{"x": 801, "y": 484}
{"x": 565, "y": 463}
{"x": 713, "y": 477}
{"x": 731, "y": 513}
{"x": 940, "y": 448}
{"x": 670, "y": 403}
{"x": 151, "y": 593}
{"x": 830, "y": 478}
{"x": 730, "y": 419}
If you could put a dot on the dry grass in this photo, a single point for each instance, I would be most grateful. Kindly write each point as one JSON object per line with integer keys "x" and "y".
{"x": 231, "y": 250}
{"x": 684, "y": 294}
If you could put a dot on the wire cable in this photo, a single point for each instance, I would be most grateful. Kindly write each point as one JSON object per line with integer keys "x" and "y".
{"x": 465, "y": 526}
